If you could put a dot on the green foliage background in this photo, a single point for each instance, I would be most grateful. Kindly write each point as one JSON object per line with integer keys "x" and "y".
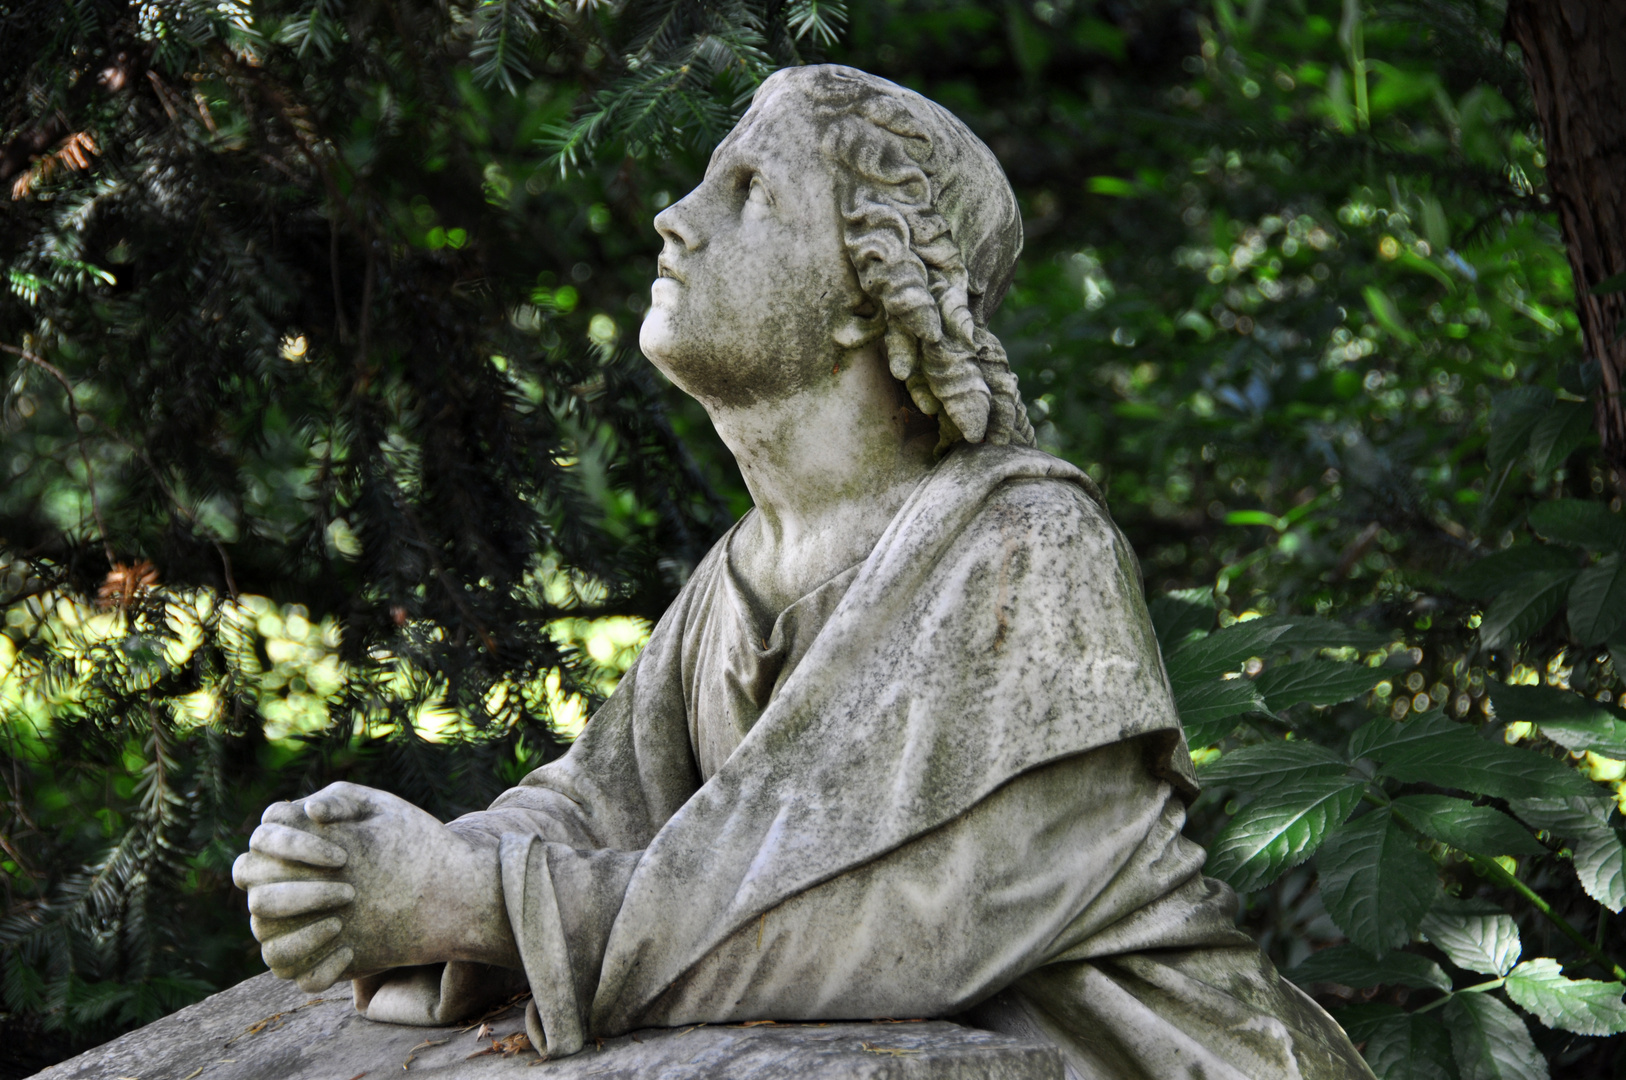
{"x": 330, "y": 329}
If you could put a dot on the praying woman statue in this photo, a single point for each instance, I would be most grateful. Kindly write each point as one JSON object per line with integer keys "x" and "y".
{"x": 902, "y": 746}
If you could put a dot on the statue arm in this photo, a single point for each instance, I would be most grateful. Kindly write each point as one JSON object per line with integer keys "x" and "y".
{"x": 353, "y": 882}
{"x": 929, "y": 929}
{"x": 1027, "y": 875}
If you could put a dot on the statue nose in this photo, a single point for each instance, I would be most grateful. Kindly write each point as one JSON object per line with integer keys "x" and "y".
{"x": 678, "y": 229}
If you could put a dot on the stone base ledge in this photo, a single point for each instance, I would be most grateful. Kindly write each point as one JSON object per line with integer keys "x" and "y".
{"x": 268, "y": 1029}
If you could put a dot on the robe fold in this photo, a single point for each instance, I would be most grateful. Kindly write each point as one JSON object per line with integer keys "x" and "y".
{"x": 950, "y": 781}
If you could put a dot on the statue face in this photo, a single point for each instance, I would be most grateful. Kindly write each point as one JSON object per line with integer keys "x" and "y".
{"x": 754, "y": 275}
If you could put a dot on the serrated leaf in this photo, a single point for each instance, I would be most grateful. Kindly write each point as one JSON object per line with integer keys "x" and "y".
{"x": 1582, "y": 522}
{"x": 1311, "y": 632}
{"x": 1210, "y": 711}
{"x": 1429, "y": 748}
{"x": 1316, "y": 682}
{"x": 1268, "y": 765}
{"x": 1487, "y": 577}
{"x": 1202, "y": 659}
{"x": 1584, "y": 1006}
{"x": 1409, "y": 1047}
{"x": 1525, "y": 607}
{"x": 1348, "y": 966}
{"x": 1597, "y": 853}
{"x": 1376, "y": 884}
{"x": 1178, "y": 615}
{"x": 1485, "y": 940}
{"x": 1204, "y": 705}
{"x": 1558, "y": 433}
{"x": 1281, "y": 829}
{"x": 1569, "y": 719}
{"x": 1598, "y": 601}
{"x": 1490, "y": 1041}
{"x": 1478, "y": 830}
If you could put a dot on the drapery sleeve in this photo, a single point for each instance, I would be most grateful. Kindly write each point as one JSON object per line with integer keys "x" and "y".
{"x": 1057, "y": 857}
{"x": 624, "y": 776}
{"x": 901, "y": 788}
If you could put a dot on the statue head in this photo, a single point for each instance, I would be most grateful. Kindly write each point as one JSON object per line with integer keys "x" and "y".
{"x": 843, "y": 211}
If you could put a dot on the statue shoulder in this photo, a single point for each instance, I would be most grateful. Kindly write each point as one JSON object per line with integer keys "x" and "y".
{"x": 1062, "y": 524}
{"x": 1050, "y": 510}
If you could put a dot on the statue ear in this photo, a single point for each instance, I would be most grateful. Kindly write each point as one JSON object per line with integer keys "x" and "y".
{"x": 855, "y": 330}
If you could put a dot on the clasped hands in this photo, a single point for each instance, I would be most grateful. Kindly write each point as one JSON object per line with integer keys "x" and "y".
{"x": 353, "y": 880}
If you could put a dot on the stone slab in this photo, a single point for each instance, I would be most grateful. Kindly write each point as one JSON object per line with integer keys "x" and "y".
{"x": 268, "y": 1029}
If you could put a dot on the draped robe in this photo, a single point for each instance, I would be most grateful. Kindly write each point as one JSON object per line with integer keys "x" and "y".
{"x": 950, "y": 781}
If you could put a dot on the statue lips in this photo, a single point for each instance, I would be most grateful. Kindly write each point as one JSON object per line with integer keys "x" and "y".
{"x": 666, "y": 282}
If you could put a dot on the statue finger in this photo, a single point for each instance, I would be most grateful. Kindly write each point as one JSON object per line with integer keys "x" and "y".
{"x": 253, "y": 868}
{"x": 290, "y": 954}
{"x": 340, "y": 801}
{"x": 291, "y": 814}
{"x": 266, "y": 929}
{"x": 290, "y": 899}
{"x": 297, "y": 845}
{"x": 329, "y": 971}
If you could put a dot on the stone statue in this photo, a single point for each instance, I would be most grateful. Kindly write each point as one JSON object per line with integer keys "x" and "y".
{"x": 903, "y": 746}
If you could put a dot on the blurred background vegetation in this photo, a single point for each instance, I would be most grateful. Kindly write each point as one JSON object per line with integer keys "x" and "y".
{"x": 325, "y": 454}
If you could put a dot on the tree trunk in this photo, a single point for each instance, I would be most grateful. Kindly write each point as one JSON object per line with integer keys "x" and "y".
{"x": 1575, "y": 55}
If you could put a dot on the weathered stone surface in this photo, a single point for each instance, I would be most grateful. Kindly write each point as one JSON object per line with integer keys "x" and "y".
{"x": 268, "y": 1029}
{"x": 903, "y": 745}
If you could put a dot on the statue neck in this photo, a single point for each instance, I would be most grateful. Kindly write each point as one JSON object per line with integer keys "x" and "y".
{"x": 828, "y": 468}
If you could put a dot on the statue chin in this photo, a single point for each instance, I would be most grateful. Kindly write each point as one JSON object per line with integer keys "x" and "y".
{"x": 656, "y": 337}
{"x": 699, "y": 365}
{"x": 661, "y": 345}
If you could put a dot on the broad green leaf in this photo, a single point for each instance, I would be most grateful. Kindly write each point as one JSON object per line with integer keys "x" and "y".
{"x": 1410, "y": 1047}
{"x": 1569, "y": 719}
{"x": 1429, "y": 748}
{"x": 1318, "y": 682}
{"x": 1281, "y": 829}
{"x": 1476, "y": 937}
{"x": 1222, "y": 651}
{"x": 1488, "y": 577}
{"x": 1599, "y": 857}
{"x": 1360, "y": 1021}
{"x": 1559, "y": 432}
{"x": 1584, "y": 1006}
{"x": 1598, "y": 601}
{"x": 1513, "y": 414}
{"x": 1348, "y": 966}
{"x": 1178, "y": 615}
{"x": 1203, "y": 705}
{"x": 1375, "y": 882}
{"x": 1587, "y": 524}
{"x": 1268, "y": 765}
{"x": 1491, "y": 1042}
{"x": 1478, "y": 830}
{"x": 1310, "y": 632}
{"x": 1525, "y": 607}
